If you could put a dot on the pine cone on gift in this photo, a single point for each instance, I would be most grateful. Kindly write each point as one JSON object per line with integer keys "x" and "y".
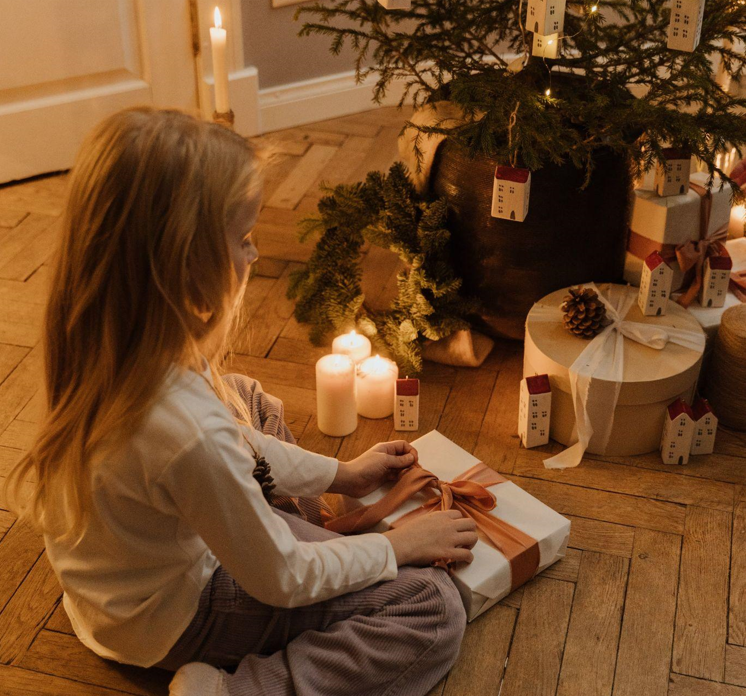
{"x": 585, "y": 313}
{"x": 262, "y": 474}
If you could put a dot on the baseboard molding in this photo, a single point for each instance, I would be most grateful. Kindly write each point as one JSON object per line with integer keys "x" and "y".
{"x": 318, "y": 99}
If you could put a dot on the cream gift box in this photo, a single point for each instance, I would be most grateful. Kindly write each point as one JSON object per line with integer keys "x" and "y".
{"x": 651, "y": 378}
{"x": 671, "y": 220}
{"x": 488, "y": 578}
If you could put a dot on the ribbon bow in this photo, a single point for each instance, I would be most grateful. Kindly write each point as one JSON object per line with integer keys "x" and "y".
{"x": 468, "y": 494}
{"x": 737, "y": 284}
{"x": 597, "y": 374}
{"x": 691, "y": 255}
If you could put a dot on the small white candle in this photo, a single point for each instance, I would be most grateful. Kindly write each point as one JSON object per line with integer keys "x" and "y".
{"x": 354, "y": 345}
{"x": 376, "y": 386}
{"x": 336, "y": 411}
{"x": 219, "y": 39}
{"x": 737, "y": 217}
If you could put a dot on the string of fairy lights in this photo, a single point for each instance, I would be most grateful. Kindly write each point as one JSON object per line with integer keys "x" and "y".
{"x": 683, "y": 35}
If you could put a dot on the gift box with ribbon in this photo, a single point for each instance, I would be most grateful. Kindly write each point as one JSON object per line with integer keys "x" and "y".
{"x": 518, "y": 535}
{"x": 681, "y": 228}
{"x": 609, "y": 394}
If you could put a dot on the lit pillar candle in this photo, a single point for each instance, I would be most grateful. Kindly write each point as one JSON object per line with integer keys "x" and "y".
{"x": 354, "y": 345}
{"x": 376, "y": 383}
{"x": 219, "y": 40}
{"x": 336, "y": 411}
{"x": 737, "y": 216}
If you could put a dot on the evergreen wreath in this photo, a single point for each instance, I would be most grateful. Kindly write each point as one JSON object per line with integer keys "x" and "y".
{"x": 385, "y": 210}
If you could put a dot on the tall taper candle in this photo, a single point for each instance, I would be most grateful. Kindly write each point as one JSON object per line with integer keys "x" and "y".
{"x": 219, "y": 39}
{"x": 336, "y": 413}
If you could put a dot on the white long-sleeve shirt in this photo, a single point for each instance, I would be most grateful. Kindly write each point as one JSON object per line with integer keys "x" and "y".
{"x": 179, "y": 499}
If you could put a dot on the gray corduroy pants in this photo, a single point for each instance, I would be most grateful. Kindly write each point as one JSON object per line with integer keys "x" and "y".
{"x": 394, "y": 638}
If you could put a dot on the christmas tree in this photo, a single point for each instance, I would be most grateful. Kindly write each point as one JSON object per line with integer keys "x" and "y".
{"x": 614, "y": 82}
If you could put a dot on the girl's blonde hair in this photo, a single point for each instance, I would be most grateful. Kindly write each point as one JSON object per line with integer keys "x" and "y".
{"x": 143, "y": 277}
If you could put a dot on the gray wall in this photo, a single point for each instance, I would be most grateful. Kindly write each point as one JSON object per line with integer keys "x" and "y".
{"x": 272, "y": 44}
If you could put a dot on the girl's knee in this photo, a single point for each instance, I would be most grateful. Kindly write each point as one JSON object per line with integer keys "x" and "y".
{"x": 452, "y": 615}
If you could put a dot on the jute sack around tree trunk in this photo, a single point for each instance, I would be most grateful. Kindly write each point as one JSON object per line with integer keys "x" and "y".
{"x": 726, "y": 376}
{"x": 444, "y": 114}
{"x": 464, "y": 347}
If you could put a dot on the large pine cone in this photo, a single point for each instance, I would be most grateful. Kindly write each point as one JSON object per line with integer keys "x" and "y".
{"x": 584, "y": 312}
{"x": 262, "y": 475}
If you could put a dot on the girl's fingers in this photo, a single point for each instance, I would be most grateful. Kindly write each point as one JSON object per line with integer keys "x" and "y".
{"x": 399, "y": 461}
{"x": 466, "y": 524}
{"x": 468, "y": 539}
{"x": 460, "y": 554}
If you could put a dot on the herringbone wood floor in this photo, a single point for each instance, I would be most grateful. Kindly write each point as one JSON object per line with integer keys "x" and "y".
{"x": 651, "y": 598}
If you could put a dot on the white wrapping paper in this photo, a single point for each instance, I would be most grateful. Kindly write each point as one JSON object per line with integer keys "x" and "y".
{"x": 594, "y": 401}
{"x": 487, "y": 579}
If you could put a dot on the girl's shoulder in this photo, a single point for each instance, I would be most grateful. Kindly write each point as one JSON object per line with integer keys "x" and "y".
{"x": 184, "y": 409}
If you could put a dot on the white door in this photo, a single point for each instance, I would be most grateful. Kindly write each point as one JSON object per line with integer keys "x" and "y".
{"x": 66, "y": 64}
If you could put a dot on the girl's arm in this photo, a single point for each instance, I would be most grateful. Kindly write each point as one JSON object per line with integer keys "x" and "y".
{"x": 295, "y": 471}
{"x": 211, "y": 485}
{"x": 299, "y": 472}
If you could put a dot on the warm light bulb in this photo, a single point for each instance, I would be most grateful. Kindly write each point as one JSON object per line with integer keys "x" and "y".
{"x": 594, "y": 8}
{"x": 547, "y": 92}
{"x": 218, "y": 19}
{"x": 550, "y": 42}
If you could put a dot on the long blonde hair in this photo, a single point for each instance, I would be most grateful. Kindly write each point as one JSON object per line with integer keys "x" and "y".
{"x": 143, "y": 274}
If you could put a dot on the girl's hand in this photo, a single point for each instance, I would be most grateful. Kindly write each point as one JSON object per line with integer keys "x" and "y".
{"x": 373, "y": 468}
{"x": 440, "y": 535}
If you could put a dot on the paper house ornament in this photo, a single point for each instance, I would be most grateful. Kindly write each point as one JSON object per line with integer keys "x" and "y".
{"x": 545, "y": 46}
{"x": 545, "y": 16}
{"x": 510, "y": 193}
{"x": 407, "y": 404}
{"x": 655, "y": 285}
{"x": 715, "y": 279}
{"x": 678, "y": 430}
{"x": 705, "y": 428}
{"x": 396, "y": 4}
{"x": 673, "y": 177}
{"x": 534, "y": 411}
{"x": 686, "y": 24}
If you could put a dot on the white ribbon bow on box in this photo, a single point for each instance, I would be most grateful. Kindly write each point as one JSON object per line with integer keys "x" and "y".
{"x": 597, "y": 374}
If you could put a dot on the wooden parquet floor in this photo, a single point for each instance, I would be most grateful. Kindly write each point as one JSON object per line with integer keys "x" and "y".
{"x": 651, "y": 598}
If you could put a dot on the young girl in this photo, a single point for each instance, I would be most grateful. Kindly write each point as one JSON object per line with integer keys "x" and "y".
{"x": 165, "y": 547}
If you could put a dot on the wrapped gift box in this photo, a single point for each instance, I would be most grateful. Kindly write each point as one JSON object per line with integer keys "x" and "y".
{"x": 721, "y": 200}
{"x": 488, "y": 578}
{"x": 672, "y": 220}
{"x": 652, "y": 378}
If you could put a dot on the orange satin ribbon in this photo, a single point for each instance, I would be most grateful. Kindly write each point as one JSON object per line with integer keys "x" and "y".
{"x": 690, "y": 255}
{"x": 737, "y": 285}
{"x": 468, "y": 494}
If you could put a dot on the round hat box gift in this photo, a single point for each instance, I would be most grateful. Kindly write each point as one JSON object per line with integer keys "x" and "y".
{"x": 652, "y": 378}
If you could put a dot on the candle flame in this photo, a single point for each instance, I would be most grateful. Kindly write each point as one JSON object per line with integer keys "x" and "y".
{"x": 218, "y": 19}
